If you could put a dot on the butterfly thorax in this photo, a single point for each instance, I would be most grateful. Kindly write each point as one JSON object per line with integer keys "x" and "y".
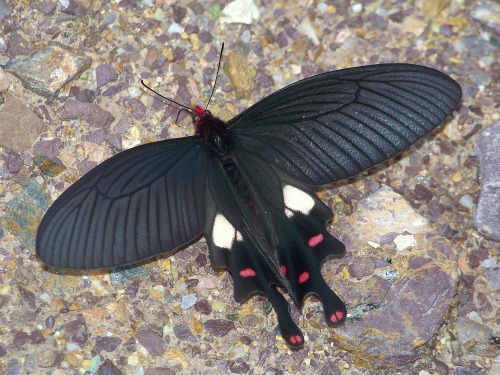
{"x": 213, "y": 131}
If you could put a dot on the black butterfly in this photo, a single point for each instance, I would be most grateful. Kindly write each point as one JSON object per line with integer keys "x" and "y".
{"x": 248, "y": 185}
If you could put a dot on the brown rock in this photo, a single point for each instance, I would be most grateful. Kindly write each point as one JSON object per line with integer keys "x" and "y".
{"x": 19, "y": 126}
{"x": 240, "y": 74}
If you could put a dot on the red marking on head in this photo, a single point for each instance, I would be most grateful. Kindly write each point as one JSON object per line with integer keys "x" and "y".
{"x": 304, "y": 276}
{"x": 337, "y": 317}
{"x": 315, "y": 240}
{"x": 282, "y": 271}
{"x": 199, "y": 111}
{"x": 296, "y": 339}
{"x": 247, "y": 272}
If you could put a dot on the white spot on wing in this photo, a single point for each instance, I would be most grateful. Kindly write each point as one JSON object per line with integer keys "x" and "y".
{"x": 223, "y": 233}
{"x": 296, "y": 200}
{"x": 239, "y": 237}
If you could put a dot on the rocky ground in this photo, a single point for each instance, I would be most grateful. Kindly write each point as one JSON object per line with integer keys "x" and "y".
{"x": 421, "y": 272}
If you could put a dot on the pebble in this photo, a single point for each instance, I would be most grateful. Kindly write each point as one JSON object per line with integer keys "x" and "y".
{"x": 487, "y": 12}
{"x": 92, "y": 113}
{"x": 4, "y": 81}
{"x": 182, "y": 332}
{"x": 188, "y": 301}
{"x": 240, "y": 11}
{"x": 218, "y": 327}
{"x": 488, "y": 207}
{"x": 175, "y": 28}
{"x": 105, "y": 74}
{"x": 19, "y": 126}
{"x": 24, "y": 212}
{"x": 357, "y": 8}
{"x": 151, "y": 341}
{"x": 49, "y": 69}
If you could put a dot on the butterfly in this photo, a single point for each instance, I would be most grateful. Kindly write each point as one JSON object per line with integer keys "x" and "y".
{"x": 248, "y": 185}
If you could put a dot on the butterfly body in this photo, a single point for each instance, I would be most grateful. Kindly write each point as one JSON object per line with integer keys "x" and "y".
{"x": 248, "y": 185}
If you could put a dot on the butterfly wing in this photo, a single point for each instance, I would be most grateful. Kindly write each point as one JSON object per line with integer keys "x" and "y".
{"x": 290, "y": 257}
{"x": 337, "y": 124}
{"x": 140, "y": 203}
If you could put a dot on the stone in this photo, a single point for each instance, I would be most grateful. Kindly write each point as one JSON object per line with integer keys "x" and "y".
{"x": 46, "y": 71}
{"x": 90, "y": 112}
{"x": 19, "y": 126}
{"x": 488, "y": 207}
{"x": 151, "y": 341}
{"x": 240, "y": 74}
{"x": 418, "y": 285}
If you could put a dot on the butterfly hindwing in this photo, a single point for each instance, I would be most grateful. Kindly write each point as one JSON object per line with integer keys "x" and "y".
{"x": 337, "y": 124}
{"x": 140, "y": 203}
{"x": 293, "y": 263}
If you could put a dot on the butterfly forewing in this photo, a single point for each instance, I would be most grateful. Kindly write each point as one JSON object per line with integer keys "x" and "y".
{"x": 142, "y": 202}
{"x": 337, "y": 124}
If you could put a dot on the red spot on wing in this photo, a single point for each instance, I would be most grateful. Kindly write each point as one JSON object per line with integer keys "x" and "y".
{"x": 247, "y": 272}
{"x": 296, "y": 339}
{"x": 282, "y": 271}
{"x": 304, "y": 276}
{"x": 337, "y": 317}
{"x": 315, "y": 240}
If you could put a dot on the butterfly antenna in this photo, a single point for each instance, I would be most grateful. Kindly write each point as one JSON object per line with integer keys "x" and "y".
{"x": 216, "y": 75}
{"x": 190, "y": 110}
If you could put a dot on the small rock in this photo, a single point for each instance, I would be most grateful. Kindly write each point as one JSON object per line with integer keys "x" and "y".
{"x": 239, "y": 367}
{"x": 108, "y": 368}
{"x": 5, "y": 10}
{"x": 136, "y": 107}
{"x": 488, "y": 207}
{"x": 48, "y": 166}
{"x": 240, "y": 11}
{"x": 108, "y": 344}
{"x": 49, "y": 69}
{"x": 188, "y": 301}
{"x": 468, "y": 329}
{"x": 432, "y": 8}
{"x": 20, "y": 338}
{"x": 240, "y": 74}
{"x": 47, "y": 7}
{"x": 115, "y": 89}
{"x": 92, "y": 113}
{"x": 19, "y": 126}
{"x": 49, "y": 148}
{"x": 182, "y": 332}
{"x": 4, "y": 81}
{"x": 151, "y": 341}
{"x": 203, "y": 307}
{"x": 24, "y": 212}
{"x": 486, "y": 12}
{"x": 46, "y": 358}
{"x": 218, "y": 327}
{"x": 19, "y": 46}
{"x": 493, "y": 277}
{"x": 14, "y": 162}
{"x": 85, "y": 96}
{"x": 104, "y": 74}
{"x": 76, "y": 331}
{"x": 74, "y": 8}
